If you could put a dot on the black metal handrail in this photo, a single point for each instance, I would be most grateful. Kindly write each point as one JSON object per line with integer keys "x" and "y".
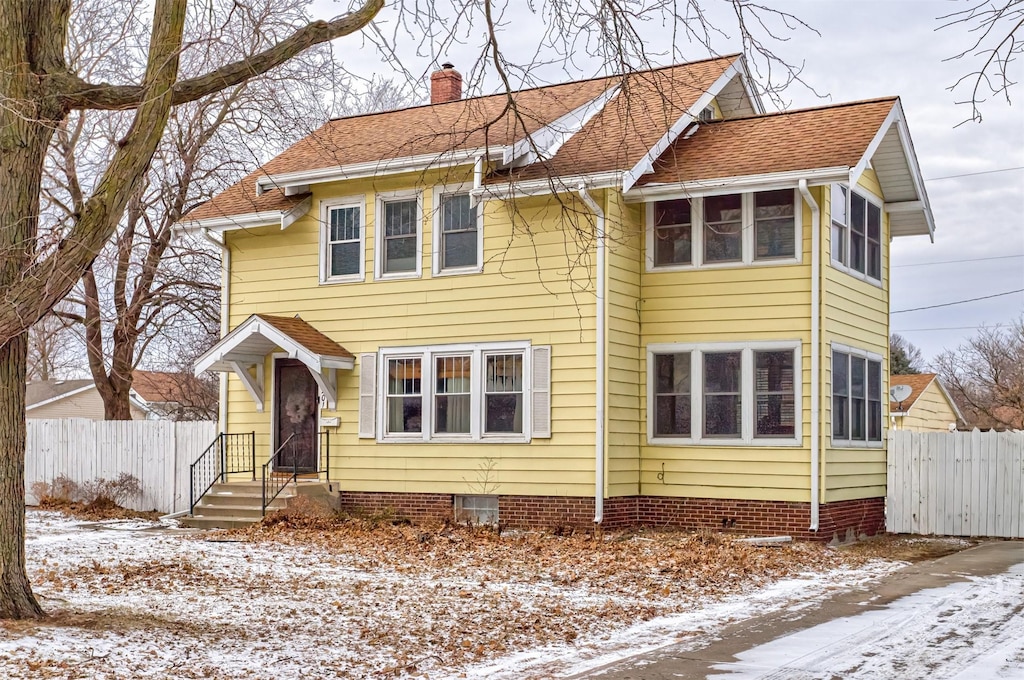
{"x": 274, "y": 482}
{"x": 227, "y": 454}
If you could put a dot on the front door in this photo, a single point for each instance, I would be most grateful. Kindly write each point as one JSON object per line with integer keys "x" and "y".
{"x": 296, "y": 399}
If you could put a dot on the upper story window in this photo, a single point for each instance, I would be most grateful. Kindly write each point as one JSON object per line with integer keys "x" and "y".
{"x": 399, "y": 235}
{"x": 856, "y": 233}
{"x": 730, "y": 229}
{"x": 341, "y": 242}
{"x": 723, "y": 393}
{"x": 856, "y": 397}
{"x": 458, "y": 239}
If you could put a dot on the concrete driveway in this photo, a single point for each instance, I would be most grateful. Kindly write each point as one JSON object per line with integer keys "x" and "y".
{"x": 960, "y": 616}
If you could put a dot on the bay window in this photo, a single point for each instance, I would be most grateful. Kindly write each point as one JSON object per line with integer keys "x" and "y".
{"x": 856, "y": 397}
{"x": 856, "y": 233}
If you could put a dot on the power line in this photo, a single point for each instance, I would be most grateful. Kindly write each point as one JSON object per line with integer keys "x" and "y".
{"x": 972, "y": 259}
{"x": 972, "y": 174}
{"x": 960, "y": 302}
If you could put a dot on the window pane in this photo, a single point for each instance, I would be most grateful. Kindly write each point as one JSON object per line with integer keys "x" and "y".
{"x": 874, "y": 222}
{"x": 405, "y": 404}
{"x": 722, "y": 401}
{"x": 400, "y": 254}
{"x": 672, "y": 213}
{"x": 857, "y": 206}
{"x": 840, "y": 394}
{"x": 672, "y": 394}
{"x": 722, "y": 228}
{"x": 673, "y": 245}
{"x": 344, "y": 224}
{"x": 459, "y": 249}
{"x": 857, "y": 252}
{"x": 857, "y": 376}
{"x": 722, "y": 372}
{"x": 874, "y": 263}
{"x": 452, "y": 388}
{"x": 722, "y": 416}
{"x": 503, "y": 393}
{"x": 838, "y": 204}
{"x": 874, "y": 401}
{"x": 857, "y": 420}
{"x": 456, "y": 213}
{"x": 775, "y": 238}
{"x": 345, "y": 258}
{"x": 775, "y": 391}
{"x": 858, "y": 379}
{"x": 400, "y": 218}
{"x": 839, "y": 243}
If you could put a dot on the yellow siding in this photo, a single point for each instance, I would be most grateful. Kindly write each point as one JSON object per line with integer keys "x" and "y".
{"x": 856, "y": 313}
{"x": 625, "y": 353}
{"x": 931, "y": 412}
{"x": 537, "y": 288}
{"x": 737, "y": 304}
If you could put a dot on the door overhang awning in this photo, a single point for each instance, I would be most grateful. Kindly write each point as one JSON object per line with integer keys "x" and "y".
{"x": 244, "y": 350}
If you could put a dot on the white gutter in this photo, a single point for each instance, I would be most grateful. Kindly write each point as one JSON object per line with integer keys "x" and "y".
{"x": 727, "y": 185}
{"x": 815, "y": 350}
{"x": 225, "y": 309}
{"x": 375, "y": 168}
{"x": 506, "y": 190}
{"x": 600, "y": 350}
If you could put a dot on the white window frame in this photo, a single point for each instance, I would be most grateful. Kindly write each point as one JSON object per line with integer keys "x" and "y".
{"x": 478, "y": 353}
{"x": 870, "y": 356}
{"x": 378, "y": 258}
{"x": 437, "y": 235}
{"x": 325, "y": 230}
{"x": 843, "y": 265}
{"x": 747, "y": 393}
{"x": 747, "y": 242}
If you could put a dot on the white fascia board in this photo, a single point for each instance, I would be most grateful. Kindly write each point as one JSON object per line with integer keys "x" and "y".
{"x": 545, "y": 142}
{"x": 897, "y": 118}
{"x": 538, "y": 187}
{"x": 60, "y": 396}
{"x": 945, "y": 393}
{"x": 746, "y": 80}
{"x": 646, "y": 164}
{"x": 384, "y": 166}
{"x": 727, "y": 185}
{"x": 222, "y": 224}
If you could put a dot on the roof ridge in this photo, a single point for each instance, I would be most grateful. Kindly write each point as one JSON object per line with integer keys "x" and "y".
{"x": 807, "y": 109}
{"x": 538, "y": 87}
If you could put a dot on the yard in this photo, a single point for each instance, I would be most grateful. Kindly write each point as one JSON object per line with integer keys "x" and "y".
{"x": 136, "y": 599}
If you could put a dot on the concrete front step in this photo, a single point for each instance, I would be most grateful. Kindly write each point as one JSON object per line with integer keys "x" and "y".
{"x": 231, "y": 505}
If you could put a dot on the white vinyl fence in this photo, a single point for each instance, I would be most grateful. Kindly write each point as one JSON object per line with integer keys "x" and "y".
{"x": 156, "y": 452}
{"x": 956, "y": 483}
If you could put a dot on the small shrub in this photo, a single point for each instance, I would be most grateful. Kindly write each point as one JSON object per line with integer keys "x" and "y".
{"x": 96, "y": 499}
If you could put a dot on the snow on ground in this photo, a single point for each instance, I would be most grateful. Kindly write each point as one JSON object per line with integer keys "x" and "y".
{"x": 128, "y": 600}
{"x": 963, "y": 631}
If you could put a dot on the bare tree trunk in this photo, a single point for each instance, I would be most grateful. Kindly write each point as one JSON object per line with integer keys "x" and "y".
{"x": 16, "y": 598}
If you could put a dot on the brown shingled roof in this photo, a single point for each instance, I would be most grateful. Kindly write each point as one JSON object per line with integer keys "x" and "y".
{"x": 614, "y": 139}
{"x": 918, "y": 383}
{"x": 821, "y": 137}
{"x": 307, "y": 336}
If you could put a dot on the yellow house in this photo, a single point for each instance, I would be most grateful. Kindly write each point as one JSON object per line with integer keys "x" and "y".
{"x": 626, "y": 300}
{"x": 928, "y": 408}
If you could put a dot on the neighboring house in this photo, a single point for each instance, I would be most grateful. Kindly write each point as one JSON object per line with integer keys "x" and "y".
{"x": 634, "y": 301}
{"x": 929, "y": 408}
{"x": 71, "y": 399}
{"x": 154, "y": 395}
{"x": 175, "y": 396}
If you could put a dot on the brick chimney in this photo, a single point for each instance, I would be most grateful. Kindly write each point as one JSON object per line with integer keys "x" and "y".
{"x": 445, "y": 85}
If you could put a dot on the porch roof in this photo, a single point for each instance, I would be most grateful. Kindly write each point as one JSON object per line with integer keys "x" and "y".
{"x": 243, "y": 351}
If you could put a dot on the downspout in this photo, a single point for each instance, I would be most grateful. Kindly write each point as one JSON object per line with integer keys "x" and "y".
{"x": 815, "y": 350}
{"x": 225, "y": 302}
{"x": 599, "y": 289}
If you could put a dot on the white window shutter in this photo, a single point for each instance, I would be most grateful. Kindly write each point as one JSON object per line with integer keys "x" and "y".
{"x": 540, "y": 391}
{"x": 367, "y": 395}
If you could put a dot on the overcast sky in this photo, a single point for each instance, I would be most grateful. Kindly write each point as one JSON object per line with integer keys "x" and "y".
{"x": 868, "y": 49}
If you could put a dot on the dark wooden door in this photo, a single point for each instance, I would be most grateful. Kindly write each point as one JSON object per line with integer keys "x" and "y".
{"x": 296, "y": 398}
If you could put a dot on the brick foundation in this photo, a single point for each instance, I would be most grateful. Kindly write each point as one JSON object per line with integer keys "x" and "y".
{"x": 842, "y": 520}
